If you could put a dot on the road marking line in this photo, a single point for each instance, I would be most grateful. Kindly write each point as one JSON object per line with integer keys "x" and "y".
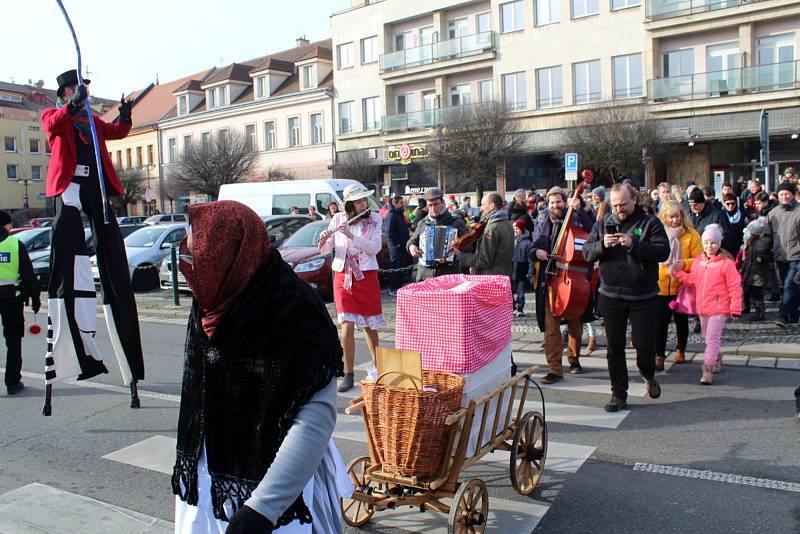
{"x": 718, "y": 477}
{"x": 106, "y": 387}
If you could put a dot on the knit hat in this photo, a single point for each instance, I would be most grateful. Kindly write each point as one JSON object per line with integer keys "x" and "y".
{"x": 755, "y": 228}
{"x": 713, "y": 232}
{"x": 520, "y": 223}
{"x": 555, "y": 190}
{"x": 5, "y": 218}
{"x": 600, "y": 192}
{"x": 709, "y": 191}
{"x": 787, "y": 186}
{"x": 697, "y": 196}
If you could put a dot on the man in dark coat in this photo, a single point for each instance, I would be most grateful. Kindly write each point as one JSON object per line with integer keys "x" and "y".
{"x": 703, "y": 214}
{"x": 396, "y": 237}
{"x": 437, "y": 216}
{"x": 629, "y": 245}
{"x": 518, "y": 210}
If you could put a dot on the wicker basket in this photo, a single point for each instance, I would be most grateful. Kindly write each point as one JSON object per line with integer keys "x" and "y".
{"x": 407, "y": 426}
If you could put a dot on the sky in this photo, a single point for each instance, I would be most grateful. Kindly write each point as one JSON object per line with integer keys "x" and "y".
{"x": 125, "y": 45}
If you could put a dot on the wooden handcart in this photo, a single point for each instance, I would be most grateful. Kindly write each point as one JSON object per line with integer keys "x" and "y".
{"x": 524, "y": 435}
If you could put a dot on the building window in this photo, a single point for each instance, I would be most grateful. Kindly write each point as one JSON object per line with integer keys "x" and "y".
{"x": 549, "y": 88}
{"x": 11, "y": 144}
{"x": 485, "y": 90}
{"x": 584, "y": 8}
{"x": 547, "y": 12}
{"x": 119, "y": 158}
{"x": 307, "y": 76}
{"x": 515, "y": 91}
{"x": 34, "y": 146}
{"x": 512, "y": 16}
{"x": 211, "y": 99}
{"x": 261, "y": 87}
{"x": 370, "y": 113}
{"x": 182, "y": 109}
{"x": 205, "y": 141}
{"x": 11, "y": 172}
{"x": 344, "y": 55}
{"x": 586, "y": 80}
{"x": 172, "y": 150}
{"x": 187, "y": 144}
{"x": 36, "y": 172}
{"x": 316, "y": 128}
{"x": 269, "y": 135}
{"x": 149, "y": 154}
{"x": 139, "y": 157}
{"x": 250, "y": 136}
{"x": 622, "y": 4}
{"x": 460, "y": 95}
{"x": 47, "y": 149}
{"x": 678, "y": 63}
{"x": 294, "y": 131}
{"x": 628, "y": 76}
{"x": 369, "y": 49}
{"x": 345, "y": 117}
{"x": 222, "y": 135}
{"x": 222, "y": 96}
{"x": 128, "y": 158}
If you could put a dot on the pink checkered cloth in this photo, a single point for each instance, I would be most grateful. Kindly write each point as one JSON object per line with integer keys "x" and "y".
{"x": 458, "y": 322}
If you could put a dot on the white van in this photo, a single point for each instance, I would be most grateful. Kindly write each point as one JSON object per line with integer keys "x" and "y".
{"x": 278, "y": 198}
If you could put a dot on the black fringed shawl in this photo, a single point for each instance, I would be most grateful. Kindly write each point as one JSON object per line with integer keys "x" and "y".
{"x": 273, "y": 349}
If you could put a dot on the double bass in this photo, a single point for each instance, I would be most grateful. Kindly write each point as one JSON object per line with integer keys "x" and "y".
{"x": 568, "y": 280}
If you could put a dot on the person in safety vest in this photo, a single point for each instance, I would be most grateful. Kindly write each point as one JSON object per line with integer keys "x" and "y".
{"x": 17, "y": 285}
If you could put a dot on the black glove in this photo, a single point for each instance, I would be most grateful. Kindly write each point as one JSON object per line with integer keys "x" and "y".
{"x": 248, "y": 521}
{"x": 125, "y": 109}
{"x": 76, "y": 102}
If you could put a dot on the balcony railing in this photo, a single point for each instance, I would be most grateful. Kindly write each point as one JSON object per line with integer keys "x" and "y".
{"x": 429, "y": 118}
{"x": 667, "y": 9}
{"x": 745, "y": 80}
{"x": 440, "y": 51}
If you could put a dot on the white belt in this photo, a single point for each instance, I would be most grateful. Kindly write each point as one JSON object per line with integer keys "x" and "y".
{"x": 81, "y": 170}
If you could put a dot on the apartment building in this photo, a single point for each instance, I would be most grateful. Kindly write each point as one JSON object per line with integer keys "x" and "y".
{"x": 25, "y": 155}
{"x": 280, "y": 103}
{"x": 703, "y": 67}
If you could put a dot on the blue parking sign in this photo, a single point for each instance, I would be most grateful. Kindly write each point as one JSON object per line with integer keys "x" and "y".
{"x": 571, "y": 162}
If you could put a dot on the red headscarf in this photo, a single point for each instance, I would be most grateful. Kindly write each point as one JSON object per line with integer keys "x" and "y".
{"x": 229, "y": 244}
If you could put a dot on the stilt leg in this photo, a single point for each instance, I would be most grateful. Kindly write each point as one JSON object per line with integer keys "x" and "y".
{"x": 48, "y": 395}
{"x": 135, "y": 403}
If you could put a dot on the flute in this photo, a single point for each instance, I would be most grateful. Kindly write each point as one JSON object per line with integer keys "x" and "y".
{"x": 352, "y": 220}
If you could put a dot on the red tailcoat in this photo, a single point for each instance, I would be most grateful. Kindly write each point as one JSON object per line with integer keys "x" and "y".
{"x": 57, "y": 123}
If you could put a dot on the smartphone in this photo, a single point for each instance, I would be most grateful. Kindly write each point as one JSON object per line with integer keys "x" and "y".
{"x": 612, "y": 227}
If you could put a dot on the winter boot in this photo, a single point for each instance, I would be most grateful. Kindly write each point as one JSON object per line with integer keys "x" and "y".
{"x": 346, "y": 384}
{"x": 708, "y": 375}
{"x": 718, "y": 365}
{"x": 679, "y": 356}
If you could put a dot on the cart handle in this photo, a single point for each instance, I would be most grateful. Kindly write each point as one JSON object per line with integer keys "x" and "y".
{"x": 354, "y": 407}
{"x": 413, "y": 378}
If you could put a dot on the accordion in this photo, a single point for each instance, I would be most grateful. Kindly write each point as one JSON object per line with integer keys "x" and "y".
{"x": 434, "y": 242}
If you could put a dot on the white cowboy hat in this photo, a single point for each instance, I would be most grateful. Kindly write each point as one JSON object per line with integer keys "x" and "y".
{"x": 356, "y": 192}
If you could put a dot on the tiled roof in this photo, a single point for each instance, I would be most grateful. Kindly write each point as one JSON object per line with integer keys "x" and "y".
{"x": 235, "y": 71}
{"x": 275, "y": 64}
{"x": 37, "y": 99}
{"x": 320, "y": 52}
{"x": 191, "y": 85}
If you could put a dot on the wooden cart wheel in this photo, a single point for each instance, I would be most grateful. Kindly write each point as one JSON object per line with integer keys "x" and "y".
{"x": 470, "y": 509}
{"x": 355, "y": 512}
{"x": 528, "y": 452}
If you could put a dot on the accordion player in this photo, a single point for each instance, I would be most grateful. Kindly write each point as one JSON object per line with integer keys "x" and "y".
{"x": 434, "y": 242}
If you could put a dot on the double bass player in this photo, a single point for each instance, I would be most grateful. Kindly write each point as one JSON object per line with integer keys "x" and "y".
{"x": 544, "y": 239}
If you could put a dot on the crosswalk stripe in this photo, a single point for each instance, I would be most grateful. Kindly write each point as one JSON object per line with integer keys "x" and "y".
{"x": 156, "y": 453}
{"x": 21, "y": 513}
{"x": 589, "y": 362}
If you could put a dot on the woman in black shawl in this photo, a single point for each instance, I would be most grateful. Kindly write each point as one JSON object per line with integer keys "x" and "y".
{"x": 258, "y": 403}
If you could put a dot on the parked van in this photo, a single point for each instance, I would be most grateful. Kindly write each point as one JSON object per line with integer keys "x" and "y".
{"x": 278, "y": 198}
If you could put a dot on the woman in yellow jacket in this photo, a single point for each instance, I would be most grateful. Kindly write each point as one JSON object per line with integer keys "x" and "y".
{"x": 684, "y": 244}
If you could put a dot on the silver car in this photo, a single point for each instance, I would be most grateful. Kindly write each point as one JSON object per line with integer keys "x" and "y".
{"x": 146, "y": 248}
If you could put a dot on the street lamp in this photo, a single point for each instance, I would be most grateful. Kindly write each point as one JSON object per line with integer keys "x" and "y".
{"x": 148, "y": 194}
{"x": 26, "y": 198}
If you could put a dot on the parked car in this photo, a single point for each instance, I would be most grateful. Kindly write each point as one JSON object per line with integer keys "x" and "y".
{"x": 279, "y": 228}
{"x": 301, "y": 253}
{"x": 277, "y": 198}
{"x": 34, "y": 238}
{"x": 41, "y": 258}
{"x": 18, "y": 229}
{"x": 41, "y": 222}
{"x": 166, "y": 218}
{"x": 146, "y": 248}
{"x": 132, "y": 219}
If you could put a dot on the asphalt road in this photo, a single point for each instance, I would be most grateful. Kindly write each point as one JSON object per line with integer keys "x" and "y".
{"x": 743, "y": 426}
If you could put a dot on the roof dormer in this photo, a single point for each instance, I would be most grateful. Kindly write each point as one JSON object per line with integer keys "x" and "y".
{"x": 225, "y": 85}
{"x": 314, "y": 66}
{"x": 269, "y": 76}
{"x": 188, "y": 95}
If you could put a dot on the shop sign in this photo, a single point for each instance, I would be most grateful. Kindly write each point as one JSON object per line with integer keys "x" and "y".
{"x": 417, "y": 190}
{"x": 405, "y": 154}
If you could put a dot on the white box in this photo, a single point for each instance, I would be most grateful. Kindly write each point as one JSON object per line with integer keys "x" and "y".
{"x": 476, "y": 385}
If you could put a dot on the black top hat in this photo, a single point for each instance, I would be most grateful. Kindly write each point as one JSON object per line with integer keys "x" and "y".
{"x": 67, "y": 79}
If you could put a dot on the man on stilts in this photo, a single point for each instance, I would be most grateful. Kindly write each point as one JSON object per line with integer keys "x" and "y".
{"x": 73, "y": 180}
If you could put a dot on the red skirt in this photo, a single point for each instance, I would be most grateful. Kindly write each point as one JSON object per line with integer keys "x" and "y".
{"x": 363, "y": 298}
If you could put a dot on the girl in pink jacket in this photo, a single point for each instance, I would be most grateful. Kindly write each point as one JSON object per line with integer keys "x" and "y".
{"x": 718, "y": 289}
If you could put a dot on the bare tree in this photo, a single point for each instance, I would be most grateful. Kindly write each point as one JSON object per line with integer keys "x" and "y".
{"x": 204, "y": 167}
{"x": 355, "y": 165}
{"x": 133, "y": 186}
{"x": 172, "y": 189}
{"x": 471, "y": 142}
{"x": 615, "y": 139}
{"x": 276, "y": 173}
